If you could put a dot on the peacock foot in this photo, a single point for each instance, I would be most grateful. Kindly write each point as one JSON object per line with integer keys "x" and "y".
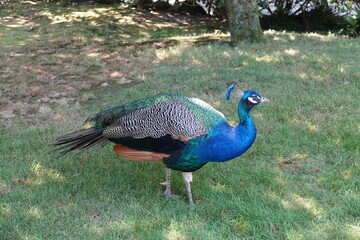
{"x": 168, "y": 194}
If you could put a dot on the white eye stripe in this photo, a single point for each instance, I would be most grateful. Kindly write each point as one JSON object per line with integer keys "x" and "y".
{"x": 252, "y": 99}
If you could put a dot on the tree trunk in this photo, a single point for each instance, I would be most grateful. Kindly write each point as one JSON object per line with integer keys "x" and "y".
{"x": 244, "y": 23}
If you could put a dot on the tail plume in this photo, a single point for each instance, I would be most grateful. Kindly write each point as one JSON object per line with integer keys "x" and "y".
{"x": 86, "y": 139}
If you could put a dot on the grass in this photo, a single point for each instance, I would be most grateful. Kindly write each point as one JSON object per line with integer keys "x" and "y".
{"x": 300, "y": 180}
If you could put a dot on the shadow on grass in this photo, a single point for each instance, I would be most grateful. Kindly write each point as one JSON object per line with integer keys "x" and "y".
{"x": 55, "y": 56}
{"x": 113, "y": 23}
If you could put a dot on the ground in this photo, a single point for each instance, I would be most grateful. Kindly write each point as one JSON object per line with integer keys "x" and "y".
{"x": 58, "y": 65}
{"x": 52, "y": 55}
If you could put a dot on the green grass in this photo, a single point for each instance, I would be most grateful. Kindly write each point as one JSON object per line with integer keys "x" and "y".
{"x": 300, "y": 179}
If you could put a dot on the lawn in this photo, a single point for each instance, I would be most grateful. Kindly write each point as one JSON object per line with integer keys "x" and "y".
{"x": 300, "y": 179}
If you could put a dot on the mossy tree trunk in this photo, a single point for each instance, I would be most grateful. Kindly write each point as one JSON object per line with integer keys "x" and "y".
{"x": 244, "y": 23}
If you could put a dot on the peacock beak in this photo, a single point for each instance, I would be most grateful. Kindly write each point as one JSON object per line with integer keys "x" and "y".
{"x": 263, "y": 99}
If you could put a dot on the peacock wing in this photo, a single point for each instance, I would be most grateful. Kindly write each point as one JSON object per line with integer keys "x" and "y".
{"x": 172, "y": 118}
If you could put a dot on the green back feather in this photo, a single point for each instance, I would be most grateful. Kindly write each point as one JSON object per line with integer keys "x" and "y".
{"x": 203, "y": 112}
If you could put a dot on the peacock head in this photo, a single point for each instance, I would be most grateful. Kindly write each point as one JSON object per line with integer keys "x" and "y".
{"x": 248, "y": 99}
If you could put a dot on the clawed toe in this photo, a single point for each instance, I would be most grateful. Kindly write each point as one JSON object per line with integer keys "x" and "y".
{"x": 170, "y": 195}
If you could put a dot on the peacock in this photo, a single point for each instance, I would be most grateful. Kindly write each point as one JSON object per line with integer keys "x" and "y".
{"x": 181, "y": 132}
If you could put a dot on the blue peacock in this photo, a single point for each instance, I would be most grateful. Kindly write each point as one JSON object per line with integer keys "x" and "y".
{"x": 181, "y": 132}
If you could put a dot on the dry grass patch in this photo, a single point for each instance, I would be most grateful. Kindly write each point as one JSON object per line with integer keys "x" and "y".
{"x": 52, "y": 55}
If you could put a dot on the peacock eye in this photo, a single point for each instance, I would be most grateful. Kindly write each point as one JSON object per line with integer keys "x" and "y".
{"x": 253, "y": 99}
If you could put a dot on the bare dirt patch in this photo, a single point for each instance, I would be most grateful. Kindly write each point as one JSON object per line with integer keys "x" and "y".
{"x": 55, "y": 73}
{"x": 51, "y": 55}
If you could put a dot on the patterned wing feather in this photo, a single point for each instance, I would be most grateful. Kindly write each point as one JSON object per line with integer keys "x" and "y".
{"x": 163, "y": 118}
{"x": 181, "y": 117}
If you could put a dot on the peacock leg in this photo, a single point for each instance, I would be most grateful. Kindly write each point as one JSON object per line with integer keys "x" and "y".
{"x": 167, "y": 184}
{"x": 188, "y": 179}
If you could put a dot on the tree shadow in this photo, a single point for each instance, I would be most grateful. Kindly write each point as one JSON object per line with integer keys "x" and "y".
{"x": 67, "y": 52}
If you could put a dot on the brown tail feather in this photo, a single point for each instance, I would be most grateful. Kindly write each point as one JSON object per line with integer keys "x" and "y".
{"x": 136, "y": 155}
{"x": 86, "y": 139}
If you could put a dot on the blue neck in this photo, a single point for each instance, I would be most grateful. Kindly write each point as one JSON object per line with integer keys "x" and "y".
{"x": 244, "y": 113}
{"x": 226, "y": 142}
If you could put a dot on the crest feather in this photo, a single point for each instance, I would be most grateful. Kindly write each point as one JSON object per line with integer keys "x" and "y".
{"x": 235, "y": 91}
